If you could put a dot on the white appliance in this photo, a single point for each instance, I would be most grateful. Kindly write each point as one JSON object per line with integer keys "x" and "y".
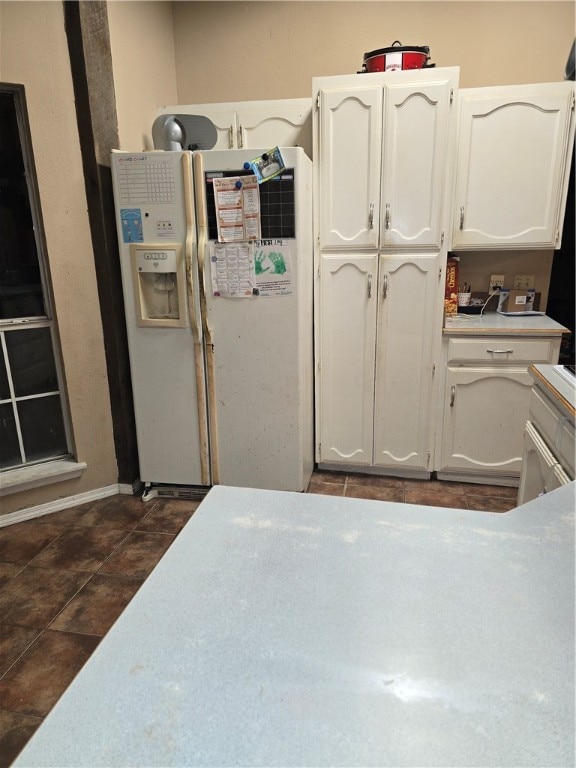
{"x": 549, "y": 456}
{"x": 223, "y": 385}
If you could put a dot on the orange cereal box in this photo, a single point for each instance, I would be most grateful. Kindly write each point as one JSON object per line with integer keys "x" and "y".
{"x": 451, "y": 292}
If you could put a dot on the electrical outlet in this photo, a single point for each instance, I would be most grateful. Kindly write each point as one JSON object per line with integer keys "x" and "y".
{"x": 496, "y": 282}
{"x": 524, "y": 281}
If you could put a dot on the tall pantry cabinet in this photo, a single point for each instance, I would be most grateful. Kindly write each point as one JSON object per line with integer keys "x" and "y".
{"x": 381, "y": 212}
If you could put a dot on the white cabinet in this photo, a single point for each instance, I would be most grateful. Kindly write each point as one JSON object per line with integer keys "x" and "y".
{"x": 375, "y": 359}
{"x": 348, "y": 299}
{"x": 549, "y": 442}
{"x": 514, "y": 150}
{"x": 350, "y": 159}
{"x": 541, "y": 472}
{"x": 404, "y": 360}
{"x": 485, "y": 405}
{"x": 383, "y": 157}
{"x": 380, "y": 192}
{"x": 259, "y": 124}
{"x": 484, "y": 420}
{"x": 414, "y": 160}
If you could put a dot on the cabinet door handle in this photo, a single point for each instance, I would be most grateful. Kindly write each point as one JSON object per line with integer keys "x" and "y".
{"x": 369, "y": 286}
{"x": 461, "y": 217}
{"x": 231, "y": 137}
{"x": 371, "y": 216}
{"x": 452, "y": 396}
{"x": 500, "y": 351}
{"x": 387, "y": 217}
{"x": 240, "y": 137}
{"x": 385, "y": 287}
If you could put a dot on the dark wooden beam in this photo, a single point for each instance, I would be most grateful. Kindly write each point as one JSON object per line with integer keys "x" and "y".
{"x": 91, "y": 62}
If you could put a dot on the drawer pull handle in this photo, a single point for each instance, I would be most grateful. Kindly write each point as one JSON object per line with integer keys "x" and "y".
{"x": 452, "y": 396}
{"x": 369, "y": 286}
{"x": 500, "y": 351}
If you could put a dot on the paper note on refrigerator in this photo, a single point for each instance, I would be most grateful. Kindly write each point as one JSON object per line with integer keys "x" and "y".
{"x": 273, "y": 267}
{"x": 237, "y": 202}
{"x": 232, "y": 270}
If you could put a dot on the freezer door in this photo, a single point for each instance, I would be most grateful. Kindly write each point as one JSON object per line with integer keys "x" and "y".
{"x": 156, "y": 222}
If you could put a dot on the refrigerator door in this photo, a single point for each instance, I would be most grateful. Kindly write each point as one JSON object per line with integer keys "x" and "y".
{"x": 157, "y": 241}
{"x": 259, "y": 348}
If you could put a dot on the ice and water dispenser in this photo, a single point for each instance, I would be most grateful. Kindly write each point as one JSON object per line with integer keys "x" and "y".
{"x": 159, "y": 280}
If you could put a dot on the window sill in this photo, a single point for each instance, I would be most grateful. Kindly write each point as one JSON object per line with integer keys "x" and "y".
{"x": 24, "y": 478}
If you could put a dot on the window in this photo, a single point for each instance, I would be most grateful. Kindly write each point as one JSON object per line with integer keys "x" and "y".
{"x": 33, "y": 417}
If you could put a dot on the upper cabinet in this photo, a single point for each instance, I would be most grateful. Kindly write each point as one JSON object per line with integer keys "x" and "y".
{"x": 383, "y": 158}
{"x": 414, "y": 163}
{"x": 258, "y": 124}
{"x": 514, "y": 150}
{"x": 350, "y": 159}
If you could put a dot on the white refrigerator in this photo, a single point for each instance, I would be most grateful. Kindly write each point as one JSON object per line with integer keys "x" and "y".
{"x": 222, "y": 376}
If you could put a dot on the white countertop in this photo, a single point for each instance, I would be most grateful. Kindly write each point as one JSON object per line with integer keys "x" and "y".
{"x": 495, "y": 323}
{"x": 285, "y": 629}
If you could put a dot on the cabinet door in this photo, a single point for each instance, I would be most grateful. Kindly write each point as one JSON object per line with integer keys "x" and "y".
{"x": 416, "y": 121}
{"x": 350, "y": 152}
{"x": 512, "y": 158}
{"x": 541, "y": 473}
{"x": 406, "y": 322}
{"x": 281, "y": 126}
{"x": 346, "y": 357}
{"x": 486, "y": 410}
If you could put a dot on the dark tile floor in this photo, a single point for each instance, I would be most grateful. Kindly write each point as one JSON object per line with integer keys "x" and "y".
{"x": 431, "y": 493}
{"x": 66, "y": 577}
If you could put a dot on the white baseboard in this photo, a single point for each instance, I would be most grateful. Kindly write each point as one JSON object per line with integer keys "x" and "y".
{"x": 65, "y": 503}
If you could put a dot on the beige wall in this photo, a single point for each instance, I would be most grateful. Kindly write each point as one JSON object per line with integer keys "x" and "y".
{"x": 142, "y": 43}
{"x": 190, "y": 52}
{"x": 34, "y": 52}
{"x": 227, "y": 51}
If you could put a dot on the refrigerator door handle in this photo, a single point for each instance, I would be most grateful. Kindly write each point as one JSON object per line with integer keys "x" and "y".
{"x": 201, "y": 220}
{"x": 193, "y": 273}
{"x": 194, "y": 309}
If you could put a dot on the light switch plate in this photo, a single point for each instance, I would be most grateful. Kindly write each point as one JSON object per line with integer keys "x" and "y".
{"x": 524, "y": 281}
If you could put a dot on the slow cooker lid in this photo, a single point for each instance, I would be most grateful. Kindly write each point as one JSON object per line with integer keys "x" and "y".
{"x": 398, "y": 49}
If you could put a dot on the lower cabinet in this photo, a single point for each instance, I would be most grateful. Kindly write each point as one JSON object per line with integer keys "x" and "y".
{"x": 541, "y": 472}
{"x": 377, "y": 326}
{"x": 404, "y": 362}
{"x": 345, "y": 354}
{"x": 484, "y": 420}
{"x": 485, "y": 406}
{"x": 549, "y": 459}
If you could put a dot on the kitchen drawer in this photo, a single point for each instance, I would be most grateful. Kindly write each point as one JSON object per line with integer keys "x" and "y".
{"x": 500, "y": 349}
{"x": 545, "y": 418}
{"x": 567, "y": 448}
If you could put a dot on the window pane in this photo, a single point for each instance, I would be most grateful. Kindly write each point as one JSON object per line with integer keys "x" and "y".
{"x": 4, "y": 388}
{"x": 20, "y": 280}
{"x": 9, "y": 448}
{"x": 42, "y": 428}
{"x": 31, "y": 361}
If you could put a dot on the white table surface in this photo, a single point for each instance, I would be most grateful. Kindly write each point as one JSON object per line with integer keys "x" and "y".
{"x": 283, "y": 629}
